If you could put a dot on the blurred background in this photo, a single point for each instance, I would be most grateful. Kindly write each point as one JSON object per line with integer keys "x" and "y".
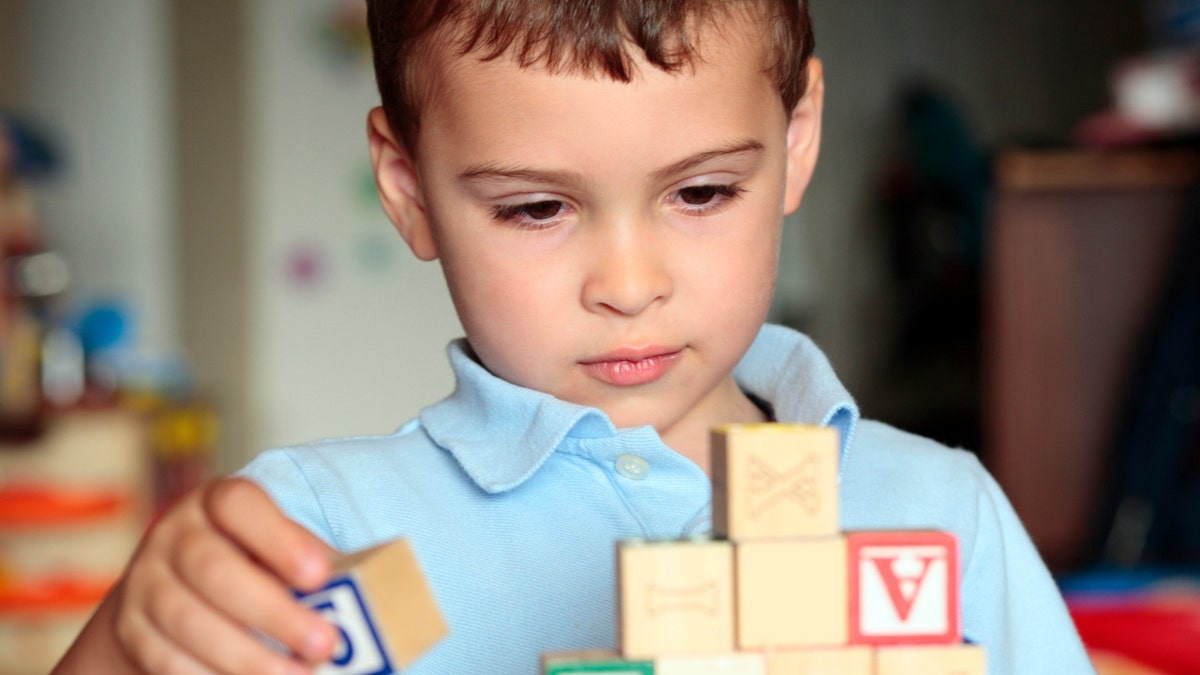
{"x": 997, "y": 251}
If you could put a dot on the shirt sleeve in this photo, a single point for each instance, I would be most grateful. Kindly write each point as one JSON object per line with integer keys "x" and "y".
{"x": 277, "y": 472}
{"x": 1011, "y": 604}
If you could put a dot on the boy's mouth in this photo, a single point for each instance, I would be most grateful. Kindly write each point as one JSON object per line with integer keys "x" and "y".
{"x": 631, "y": 367}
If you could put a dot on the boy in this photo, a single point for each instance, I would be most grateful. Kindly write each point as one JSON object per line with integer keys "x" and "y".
{"x": 604, "y": 184}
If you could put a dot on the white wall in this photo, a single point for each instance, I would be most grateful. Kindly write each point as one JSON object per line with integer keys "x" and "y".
{"x": 361, "y": 350}
{"x": 96, "y": 76}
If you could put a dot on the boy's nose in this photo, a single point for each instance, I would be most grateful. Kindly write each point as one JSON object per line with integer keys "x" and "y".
{"x": 627, "y": 272}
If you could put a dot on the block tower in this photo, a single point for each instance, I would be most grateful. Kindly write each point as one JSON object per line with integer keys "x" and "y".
{"x": 779, "y": 589}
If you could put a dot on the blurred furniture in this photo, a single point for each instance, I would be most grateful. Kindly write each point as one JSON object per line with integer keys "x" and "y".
{"x": 1079, "y": 248}
{"x": 74, "y": 503}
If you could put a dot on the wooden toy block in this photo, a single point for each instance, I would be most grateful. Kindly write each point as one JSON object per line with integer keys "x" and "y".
{"x": 774, "y": 481}
{"x": 792, "y": 593}
{"x": 904, "y": 588}
{"x": 597, "y": 661}
{"x": 847, "y": 660}
{"x": 382, "y": 608}
{"x": 930, "y": 660}
{"x": 675, "y": 597}
{"x": 721, "y": 664}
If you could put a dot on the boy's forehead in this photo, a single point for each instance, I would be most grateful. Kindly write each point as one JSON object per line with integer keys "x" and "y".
{"x": 501, "y": 112}
{"x": 444, "y": 57}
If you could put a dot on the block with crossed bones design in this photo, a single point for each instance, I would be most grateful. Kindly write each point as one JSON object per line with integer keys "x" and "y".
{"x": 768, "y": 485}
{"x": 774, "y": 481}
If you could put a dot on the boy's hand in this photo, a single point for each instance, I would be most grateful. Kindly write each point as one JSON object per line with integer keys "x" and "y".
{"x": 218, "y": 565}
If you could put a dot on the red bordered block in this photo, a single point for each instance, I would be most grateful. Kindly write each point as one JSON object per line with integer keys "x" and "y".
{"x": 904, "y": 588}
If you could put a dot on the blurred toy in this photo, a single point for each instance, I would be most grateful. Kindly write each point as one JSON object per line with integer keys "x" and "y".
{"x": 27, "y": 274}
{"x": 1145, "y": 620}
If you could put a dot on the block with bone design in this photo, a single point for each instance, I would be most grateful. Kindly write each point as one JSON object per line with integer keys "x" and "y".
{"x": 676, "y": 597}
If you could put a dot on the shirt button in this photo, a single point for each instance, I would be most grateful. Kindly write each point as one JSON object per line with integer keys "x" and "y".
{"x": 632, "y": 467}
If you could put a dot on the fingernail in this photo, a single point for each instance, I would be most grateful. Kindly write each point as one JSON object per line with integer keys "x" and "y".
{"x": 312, "y": 569}
{"x": 316, "y": 644}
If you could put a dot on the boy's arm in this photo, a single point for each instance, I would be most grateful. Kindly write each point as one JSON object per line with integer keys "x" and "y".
{"x": 1010, "y": 597}
{"x": 221, "y": 560}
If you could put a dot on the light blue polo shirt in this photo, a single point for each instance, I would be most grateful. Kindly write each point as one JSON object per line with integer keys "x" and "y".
{"x": 513, "y": 501}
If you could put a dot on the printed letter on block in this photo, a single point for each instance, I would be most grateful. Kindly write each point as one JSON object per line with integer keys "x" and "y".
{"x": 792, "y": 593}
{"x": 382, "y": 609}
{"x": 931, "y": 660}
{"x": 904, "y": 588}
{"x": 774, "y": 481}
{"x": 675, "y": 597}
{"x": 593, "y": 662}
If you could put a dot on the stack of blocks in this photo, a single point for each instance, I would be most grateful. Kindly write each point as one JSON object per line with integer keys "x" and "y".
{"x": 779, "y": 589}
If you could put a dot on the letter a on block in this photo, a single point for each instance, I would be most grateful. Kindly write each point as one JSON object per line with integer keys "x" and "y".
{"x": 773, "y": 481}
{"x": 904, "y": 588}
{"x": 385, "y": 615}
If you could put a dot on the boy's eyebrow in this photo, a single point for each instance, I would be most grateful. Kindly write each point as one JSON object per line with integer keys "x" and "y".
{"x": 738, "y": 148}
{"x": 493, "y": 171}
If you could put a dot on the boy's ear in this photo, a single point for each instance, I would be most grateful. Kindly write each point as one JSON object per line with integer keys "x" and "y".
{"x": 804, "y": 137}
{"x": 398, "y": 186}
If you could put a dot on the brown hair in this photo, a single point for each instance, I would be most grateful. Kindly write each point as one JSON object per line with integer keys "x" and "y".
{"x": 569, "y": 35}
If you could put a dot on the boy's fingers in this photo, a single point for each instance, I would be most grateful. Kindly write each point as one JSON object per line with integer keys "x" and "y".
{"x": 154, "y": 653}
{"x": 248, "y": 516}
{"x": 196, "y": 638}
{"x": 211, "y": 567}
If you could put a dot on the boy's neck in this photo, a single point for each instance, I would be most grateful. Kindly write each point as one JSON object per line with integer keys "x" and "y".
{"x": 693, "y": 440}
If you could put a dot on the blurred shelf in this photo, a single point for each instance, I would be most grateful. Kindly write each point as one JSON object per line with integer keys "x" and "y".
{"x": 1078, "y": 170}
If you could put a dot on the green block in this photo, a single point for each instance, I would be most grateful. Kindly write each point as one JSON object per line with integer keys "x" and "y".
{"x": 612, "y": 665}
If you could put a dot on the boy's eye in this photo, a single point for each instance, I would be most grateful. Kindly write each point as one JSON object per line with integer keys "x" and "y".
{"x": 706, "y": 199}
{"x": 698, "y": 195}
{"x": 530, "y": 212}
{"x": 542, "y": 210}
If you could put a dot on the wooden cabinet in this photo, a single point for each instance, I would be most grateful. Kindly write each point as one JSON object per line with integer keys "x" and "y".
{"x": 1080, "y": 246}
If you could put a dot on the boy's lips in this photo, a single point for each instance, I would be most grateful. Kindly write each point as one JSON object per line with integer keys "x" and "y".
{"x": 631, "y": 367}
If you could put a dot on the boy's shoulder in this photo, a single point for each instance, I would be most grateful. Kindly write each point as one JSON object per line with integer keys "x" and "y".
{"x": 882, "y": 445}
{"x": 347, "y": 458}
{"x": 895, "y": 479}
{"x": 328, "y": 482}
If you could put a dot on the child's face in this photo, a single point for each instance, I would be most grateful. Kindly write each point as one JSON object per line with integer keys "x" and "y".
{"x": 612, "y": 244}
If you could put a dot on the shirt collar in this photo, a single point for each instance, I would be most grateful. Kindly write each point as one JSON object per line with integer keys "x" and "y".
{"x": 501, "y": 433}
{"x": 787, "y": 369}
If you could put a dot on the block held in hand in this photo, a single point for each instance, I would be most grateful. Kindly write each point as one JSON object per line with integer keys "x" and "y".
{"x": 383, "y": 610}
